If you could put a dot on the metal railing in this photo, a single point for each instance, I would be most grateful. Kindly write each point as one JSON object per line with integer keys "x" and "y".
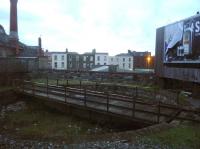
{"x": 126, "y": 106}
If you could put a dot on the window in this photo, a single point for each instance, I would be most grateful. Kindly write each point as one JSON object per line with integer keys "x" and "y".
{"x": 111, "y": 59}
{"x": 55, "y": 57}
{"x": 98, "y": 58}
{"x": 98, "y": 64}
{"x": 70, "y": 57}
{"x": 129, "y": 59}
{"x": 84, "y": 58}
{"x": 91, "y": 65}
{"x": 105, "y": 58}
{"x": 129, "y": 66}
{"x": 63, "y": 57}
{"x": 55, "y": 65}
{"x": 77, "y": 58}
{"x": 62, "y": 65}
{"x": 70, "y": 64}
{"x": 91, "y": 58}
{"x": 84, "y": 65}
{"x": 123, "y": 65}
{"x": 123, "y": 59}
{"x": 104, "y": 63}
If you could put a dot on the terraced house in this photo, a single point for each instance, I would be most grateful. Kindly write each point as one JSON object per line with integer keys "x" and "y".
{"x": 124, "y": 61}
{"x": 59, "y": 60}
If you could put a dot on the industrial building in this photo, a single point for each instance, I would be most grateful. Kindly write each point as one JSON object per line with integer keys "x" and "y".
{"x": 13, "y": 52}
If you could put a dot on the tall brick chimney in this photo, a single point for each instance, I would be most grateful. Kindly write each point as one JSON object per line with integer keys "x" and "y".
{"x": 14, "y": 25}
{"x": 40, "y": 47}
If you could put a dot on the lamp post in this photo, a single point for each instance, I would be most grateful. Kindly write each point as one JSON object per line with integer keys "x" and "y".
{"x": 148, "y": 61}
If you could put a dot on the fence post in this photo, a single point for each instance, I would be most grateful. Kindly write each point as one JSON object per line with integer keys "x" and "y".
{"x": 158, "y": 116}
{"x": 56, "y": 82}
{"x": 65, "y": 94}
{"x": 33, "y": 90}
{"x": 155, "y": 94}
{"x": 80, "y": 84}
{"x": 133, "y": 112}
{"x": 177, "y": 98}
{"x": 13, "y": 83}
{"x": 136, "y": 91}
{"x": 85, "y": 97}
{"x": 96, "y": 86}
{"x": 23, "y": 86}
{"x": 67, "y": 82}
{"x": 107, "y": 102}
{"x": 47, "y": 86}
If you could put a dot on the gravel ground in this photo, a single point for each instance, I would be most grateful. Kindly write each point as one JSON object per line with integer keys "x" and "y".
{"x": 7, "y": 143}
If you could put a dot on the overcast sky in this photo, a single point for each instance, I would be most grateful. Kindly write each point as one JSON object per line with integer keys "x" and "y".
{"x": 112, "y": 26}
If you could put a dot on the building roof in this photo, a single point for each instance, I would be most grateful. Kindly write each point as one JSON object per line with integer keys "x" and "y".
{"x": 25, "y": 51}
{"x": 72, "y": 53}
{"x": 88, "y": 53}
{"x": 57, "y": 52}
{"x": 124, "y": 54}
{"x": 3, "y": 36}
{"x": 102, "y": 53}
{"x": 2, "y": 31}
{"x": 101, "y": 68}
{"x": 29, "y": 51}
{"x": 135, "y": 53}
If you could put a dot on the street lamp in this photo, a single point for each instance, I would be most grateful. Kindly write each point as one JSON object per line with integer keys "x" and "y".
{"x": 148, "y": 61}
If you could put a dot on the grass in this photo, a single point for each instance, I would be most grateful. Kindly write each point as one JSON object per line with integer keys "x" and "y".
{"x": 5, "y": 88}
{"x": 87, "y": 82}
{"x": 63, "y": 82}
{"x": 183, "y": 99}
{"x": 39, "y": 122}
{"x": 182, "y": 136}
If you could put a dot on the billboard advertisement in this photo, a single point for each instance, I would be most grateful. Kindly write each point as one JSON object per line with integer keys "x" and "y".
{"x": 182, "y": 41}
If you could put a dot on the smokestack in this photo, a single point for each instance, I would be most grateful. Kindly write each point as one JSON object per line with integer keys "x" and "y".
{"x": 14, "y": 25}
{"x": 40, "y": 53}
{"x": 13, "y": 19}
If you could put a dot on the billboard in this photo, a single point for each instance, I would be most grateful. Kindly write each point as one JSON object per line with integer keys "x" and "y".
{"x": 182, "y": 41}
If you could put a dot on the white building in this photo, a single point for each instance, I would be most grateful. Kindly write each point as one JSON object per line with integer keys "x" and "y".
{"x": 112, "y": 60}
{"x": 101, "y": 59}
{"x": 124, "y": 61}
{"x": 59, "y": 60}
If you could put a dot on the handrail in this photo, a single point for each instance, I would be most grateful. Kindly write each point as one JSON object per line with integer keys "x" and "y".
{"x": 158, "y": 110}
